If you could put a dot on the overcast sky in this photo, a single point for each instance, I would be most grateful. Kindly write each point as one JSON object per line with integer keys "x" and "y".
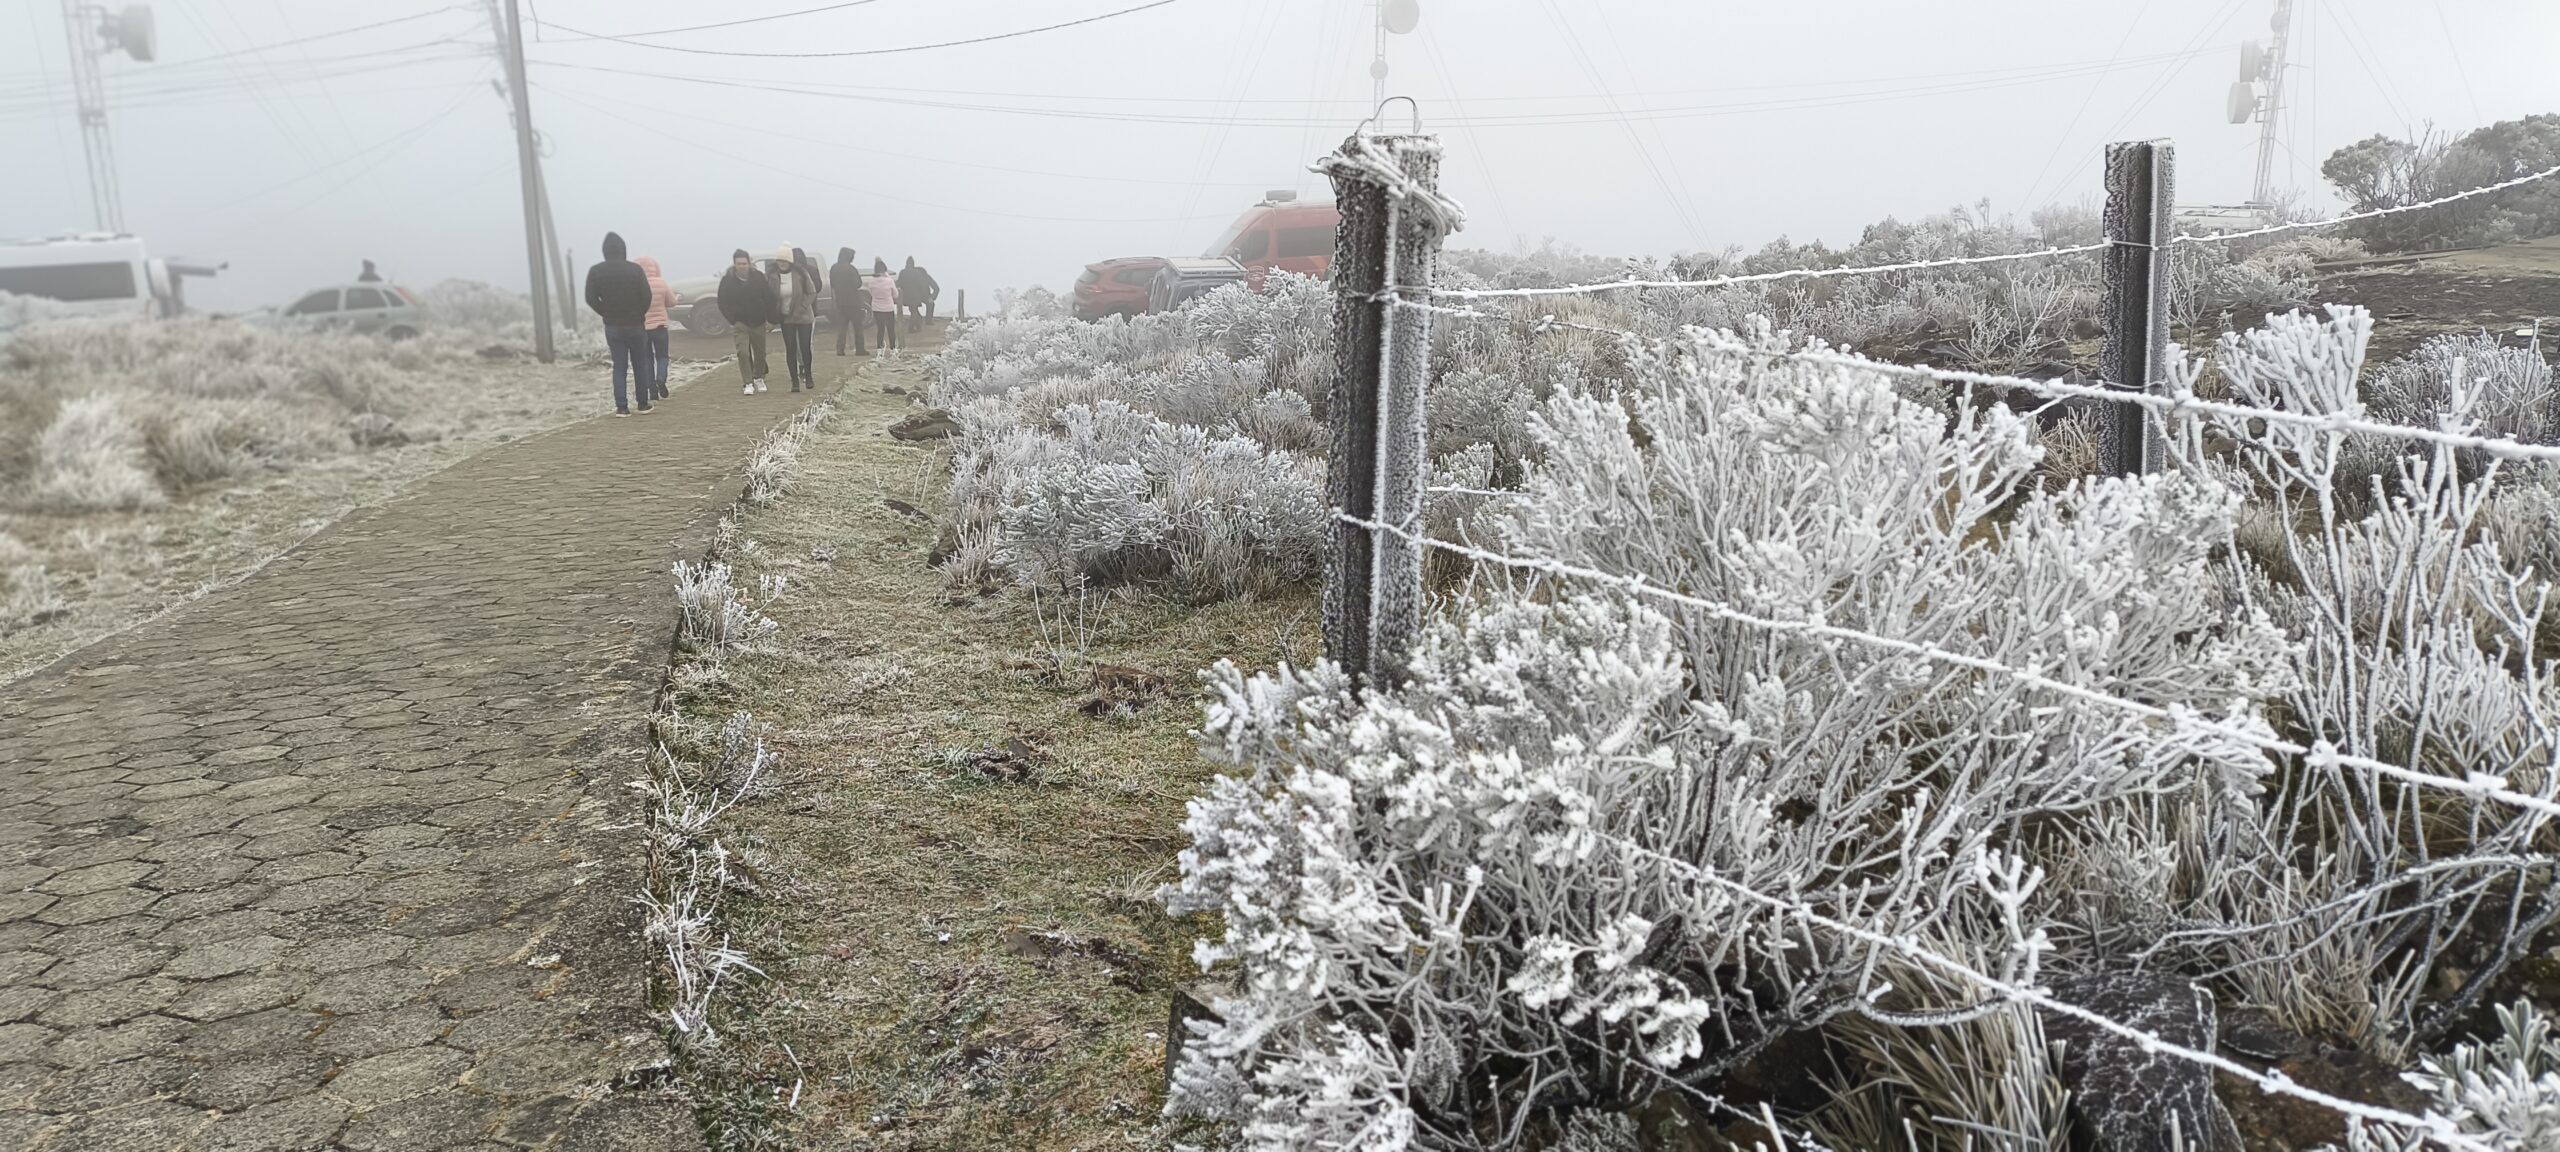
{"x": 1620, "y": 126}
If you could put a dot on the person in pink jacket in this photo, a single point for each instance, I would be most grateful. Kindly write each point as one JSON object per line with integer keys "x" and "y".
{"x": 661, "y": 298}
{"x": 884, "y": 304}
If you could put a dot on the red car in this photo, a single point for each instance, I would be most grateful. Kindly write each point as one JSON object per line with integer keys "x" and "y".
{"x": 1281, "y": 233}
{"x": 1115, "y": 287}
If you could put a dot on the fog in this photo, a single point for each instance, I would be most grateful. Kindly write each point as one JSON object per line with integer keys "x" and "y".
{"x": 1619, "y": 126}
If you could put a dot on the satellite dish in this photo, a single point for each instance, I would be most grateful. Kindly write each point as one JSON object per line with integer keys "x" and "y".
{"x": 1400, "y": 16}
{"x": 136, "y": 33}
{"x": 2253, "y": 59}
{"x": 1377, "y": 69}
{"x": 2243, "y": 102}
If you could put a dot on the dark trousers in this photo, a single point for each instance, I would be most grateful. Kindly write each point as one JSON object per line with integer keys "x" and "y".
{"x": 795, "y": 352}
{"x": 915, "y": 316}
{"x": 631, "y": 360}
{"x": 849, "y": 320}
{"x": 658, "y": 352}
{"x": 884, "y": 329}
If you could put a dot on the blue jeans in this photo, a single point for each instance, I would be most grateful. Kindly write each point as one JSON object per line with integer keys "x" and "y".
{"x": 630, "y": 362}
{"x": 658, "y": 348}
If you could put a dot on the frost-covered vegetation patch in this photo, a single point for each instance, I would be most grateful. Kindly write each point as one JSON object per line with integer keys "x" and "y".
{"x": 2004, "y": 317}
{"x": 99, "y": 414}
{"x": 1169, "y": 449}
{"x": 1599, "y": 847}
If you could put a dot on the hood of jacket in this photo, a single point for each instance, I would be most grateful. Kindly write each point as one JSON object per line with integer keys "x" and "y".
{"x": 844, "y": 255}
{"x": 614, "y": 249}
{"x": 649, "y": 264}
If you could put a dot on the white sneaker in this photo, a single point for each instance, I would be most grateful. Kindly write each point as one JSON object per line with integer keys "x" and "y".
{"x": 749, "y": 390}
{"x": 759, "y": 386}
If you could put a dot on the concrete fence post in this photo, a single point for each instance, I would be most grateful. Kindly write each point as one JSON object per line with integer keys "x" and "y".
{"x": 2141, "y": 184}
{"x": 1385, "y": 256}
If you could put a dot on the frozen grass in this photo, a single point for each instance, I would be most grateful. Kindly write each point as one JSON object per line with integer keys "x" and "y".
{"x": 144, "y": 463}
{"x": 961, "y": 947}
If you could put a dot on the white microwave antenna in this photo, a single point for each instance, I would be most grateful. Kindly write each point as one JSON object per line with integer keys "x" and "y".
{"x": 2259, "y": 95}
{"x": 95, "y": 34}
{"x": 1394, "y": 16}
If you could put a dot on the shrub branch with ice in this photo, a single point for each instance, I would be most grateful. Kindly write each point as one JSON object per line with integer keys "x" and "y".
{"x": 1451, "y": 909}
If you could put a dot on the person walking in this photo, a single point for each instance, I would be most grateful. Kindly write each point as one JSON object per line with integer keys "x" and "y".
{"x": 884, "y": 305}
{"x": 916, "y": 291}
{"x": 851, "y": 302}
{"x": 800, "y": 288}
{"x": 748, "y": 303}
{"x": 661, "y": 298}
{"x": 619, "y": 292}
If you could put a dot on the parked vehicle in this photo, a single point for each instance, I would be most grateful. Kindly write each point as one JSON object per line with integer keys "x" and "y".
{"x": 698, "y": 306}
{"x": 1279, "y": 232}
{"x": 373, "y": 308}
{"x": 98, "y": 274}
{"x": 1116, "y": 287}
{"x": 1181, "y": 281}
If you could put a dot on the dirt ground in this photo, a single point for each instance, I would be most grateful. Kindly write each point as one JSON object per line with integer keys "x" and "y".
{"x": 2416, "y": 296}
{"x": 957, "y": 919}
{"x": 112, "y": 570}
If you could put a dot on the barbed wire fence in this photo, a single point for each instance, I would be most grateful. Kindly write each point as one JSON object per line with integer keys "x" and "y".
{"x": 1395, "y": 219}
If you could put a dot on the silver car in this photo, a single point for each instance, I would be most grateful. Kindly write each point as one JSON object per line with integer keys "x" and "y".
{"x": 377, "y": 307}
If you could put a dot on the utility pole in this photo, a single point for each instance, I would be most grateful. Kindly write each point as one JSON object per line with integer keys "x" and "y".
{"x": 559, "y": 252}
{"x": 529, "y": 174}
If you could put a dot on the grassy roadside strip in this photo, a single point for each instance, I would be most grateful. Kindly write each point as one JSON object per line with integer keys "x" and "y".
{"x": 948, "y": 890}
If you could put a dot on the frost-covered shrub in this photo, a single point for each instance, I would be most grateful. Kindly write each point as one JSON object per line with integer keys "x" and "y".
{"x": 90, "y": 458}
{"x": 1484, "y": 872}
{"x": 1160, "y": 448}
{"x": 2504, "y": 1093}
{"x": 1608, "y": 832}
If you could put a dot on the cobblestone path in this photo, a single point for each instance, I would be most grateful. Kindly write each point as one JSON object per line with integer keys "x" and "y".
{"x": 340, "y": 857}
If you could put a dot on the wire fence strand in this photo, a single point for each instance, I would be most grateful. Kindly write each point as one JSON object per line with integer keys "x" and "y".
{"x": 2318, "y": 754}
{"x": 1966, "y": 261}
{"x": 2503, "y": 447}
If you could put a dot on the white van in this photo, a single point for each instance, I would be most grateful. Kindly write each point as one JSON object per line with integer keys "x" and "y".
{"x": 93, "y": 275}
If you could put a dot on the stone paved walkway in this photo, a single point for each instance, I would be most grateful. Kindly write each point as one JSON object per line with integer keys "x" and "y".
{"x": 331, "y": 859}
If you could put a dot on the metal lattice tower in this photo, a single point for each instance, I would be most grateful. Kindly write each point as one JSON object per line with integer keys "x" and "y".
{"x": 88, "y": 85}
{"x": 2262, "y": 194}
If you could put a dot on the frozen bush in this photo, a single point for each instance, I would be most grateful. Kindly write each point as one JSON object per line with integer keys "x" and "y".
{"x": 2504, "y": 1093}
{"x": 1469, "y": 875}
{"x": 1156, "y": 449}
{"x": 90, "y": 458}
{"x": 1526, "y": 865}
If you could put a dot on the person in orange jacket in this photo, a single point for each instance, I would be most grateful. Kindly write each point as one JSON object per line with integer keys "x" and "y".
{"x": 661, "y": 298}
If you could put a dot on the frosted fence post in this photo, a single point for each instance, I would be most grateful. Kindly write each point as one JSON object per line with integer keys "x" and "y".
{"x": 1404, "y": 450}
{"x": 1377, "y": 408}
{"x": 2141, "y": 181}
{"x": 960, "y": 313}
{"x": 1350, "y": 476}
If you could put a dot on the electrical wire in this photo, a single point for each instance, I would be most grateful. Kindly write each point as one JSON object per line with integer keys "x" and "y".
{"x": 315, "y": 37}
{"x": 538, "y": 22}
{"x": 870, "y": 51}
{"x": 2159, "y": 84}
{"x": 866, "y": 150}
{"x": 2459, "y": 69}
{"x": 2064, "y": 141}
{"x": 1297, "y": 122}
{"x": 655, "y": 132}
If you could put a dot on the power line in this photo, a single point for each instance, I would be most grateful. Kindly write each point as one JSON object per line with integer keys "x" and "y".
{"x": 829, "y": 142}
{"x": 262, "y": 48}
{"x": 867, "y": 51}
{"x": 1515, "y": 120}
{"x": 658, "y": 132}
{"x": 538, "y": 22}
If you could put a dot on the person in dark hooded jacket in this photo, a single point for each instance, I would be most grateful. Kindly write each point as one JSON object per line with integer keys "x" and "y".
{"x": 851, "y": 301}
{"x": 750, "y": 304}
{"x": 916, "y": 293}
{"x": 618, "y": 290}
